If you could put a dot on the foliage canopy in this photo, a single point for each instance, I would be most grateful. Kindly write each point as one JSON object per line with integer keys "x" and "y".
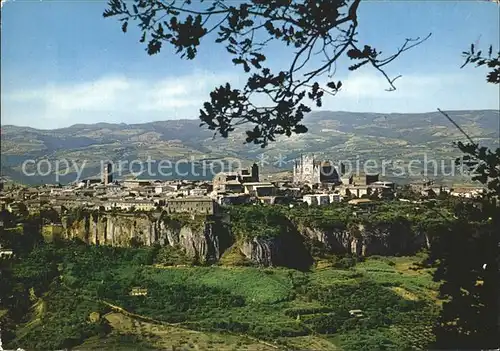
{"x": 246, "y": 29}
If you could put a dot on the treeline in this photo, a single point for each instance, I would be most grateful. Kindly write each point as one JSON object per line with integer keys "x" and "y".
{"x": 273, "y": 221}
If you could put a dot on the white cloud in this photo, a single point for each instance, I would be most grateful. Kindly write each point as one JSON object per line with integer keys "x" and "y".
{"x": 414, "y": 93}
{"x": 111, "y": 99}
{"x": 118, "y": 99}
{"x": 375, "y": 86}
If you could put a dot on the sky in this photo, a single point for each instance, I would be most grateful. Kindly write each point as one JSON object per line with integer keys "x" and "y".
{"x": 62, "y": 63}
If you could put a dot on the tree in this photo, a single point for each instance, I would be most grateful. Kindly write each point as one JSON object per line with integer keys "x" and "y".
{"x": 246, "y": 29}
{"x": 468, "y": 253}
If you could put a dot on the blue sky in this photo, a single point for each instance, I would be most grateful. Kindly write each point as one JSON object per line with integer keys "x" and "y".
{"x": 63, "y": 63}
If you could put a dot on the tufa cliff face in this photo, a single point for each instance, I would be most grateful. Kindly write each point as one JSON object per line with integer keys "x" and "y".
{"x": 205, "y": 238}
{"x": 285, "y": 250}
{"x": 197, "y": 236}
{"x": 364, "y": 240}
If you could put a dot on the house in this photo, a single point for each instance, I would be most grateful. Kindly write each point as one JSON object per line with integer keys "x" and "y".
{"x": 468, "y": 193}
{"x": 227, "y": 182}
{"x": 359, "y": 202}
{"x": 230, "y": 186}
{"x": 346, "y": 179}
{"x": 292, "y": 192}
{"x": 194, "y": 205}
{"x": 316, "y": 199}
{"x": 323, "y": 199}
{"x": 113, "y": 189}
{"x": 6, "y": 253}
{"x": 233, "y": 199}
{"x": 129, "y": 204}
{"x": 56, "y": 191}
{"x": 364, "y": 179}
{"x": 365, "y": 205}
{"x": 335, "y": 198}
{"x": 88, "y": 182}
{"x": 383, "y": 190}
{"x": 356, "y": 313}
{"x": 197, "y": 192}
{"x": 260, "y": 189}
{"x": 384, "y": 184}
{"x": 136, "y": 291}
{"x": 232, "y": 181}
{"x": 250, "y": 175}
{"x": 310, "y": 199}
{"x": 164, "y": 188}
{"x": 269, "y": 200}
{"x": 135, "y": 183}
{"x": 354, "y": 190}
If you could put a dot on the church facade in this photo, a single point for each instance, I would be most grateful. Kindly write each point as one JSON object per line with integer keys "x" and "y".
{"x": 311, "y": 171}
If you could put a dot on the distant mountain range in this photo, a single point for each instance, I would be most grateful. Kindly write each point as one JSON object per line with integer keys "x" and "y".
{"x": 332, "y": 135}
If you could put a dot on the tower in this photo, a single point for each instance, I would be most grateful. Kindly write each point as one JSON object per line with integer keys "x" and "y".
{"x": 255, "y": 172}
{"x": 107, "y": 173}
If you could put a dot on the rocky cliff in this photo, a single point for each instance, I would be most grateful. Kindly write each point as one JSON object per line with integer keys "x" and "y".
{"x": 205, "y": 239}
{"x": 364, "y": 240}
{"x": 197, "y": 236}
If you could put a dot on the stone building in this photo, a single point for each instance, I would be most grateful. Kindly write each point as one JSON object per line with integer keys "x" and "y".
{"x": 136, "y": 183}
{"x": 260, "y": 189}
{"x": 107, "y": 173}
{"x": 365, "y": 178}
{"x": 309, "y": 170}
{"x": 232, "y": 182}
{"x": 193, "y": 205}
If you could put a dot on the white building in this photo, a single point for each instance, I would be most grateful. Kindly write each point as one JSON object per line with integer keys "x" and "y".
{"x": 310, "y": 199}
{"x": 317, "y": 199}
{"x": 335, "y": 198}
{"x": 198, "y": 192}
{"x": 164, "y": 188}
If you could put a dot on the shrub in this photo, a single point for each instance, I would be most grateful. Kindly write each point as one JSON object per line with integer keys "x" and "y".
{"x": 346, "y": 262}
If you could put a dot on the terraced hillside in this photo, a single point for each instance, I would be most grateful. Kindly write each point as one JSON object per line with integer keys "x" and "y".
{"x": 64, "y": 303}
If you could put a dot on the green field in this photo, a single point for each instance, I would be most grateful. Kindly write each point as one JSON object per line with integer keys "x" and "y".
{"x": 220, "y": 307}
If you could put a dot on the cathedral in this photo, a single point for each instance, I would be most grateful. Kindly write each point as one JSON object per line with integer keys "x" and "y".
{"x": 309, "y": 170}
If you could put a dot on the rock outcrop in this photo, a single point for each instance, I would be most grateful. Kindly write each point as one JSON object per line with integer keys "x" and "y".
{"x": 363, "y": 240}
{"x": 205, "y": 238}
{"x": 197, "y": 238}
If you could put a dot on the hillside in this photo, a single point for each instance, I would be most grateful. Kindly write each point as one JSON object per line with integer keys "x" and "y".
{"x": 87, "y": 304}
{"x": 332, "y": 135}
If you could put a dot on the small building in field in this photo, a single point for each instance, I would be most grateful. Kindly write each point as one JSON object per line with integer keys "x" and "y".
{"x": 136, "y": 291}
{"x": 356, "y": 313}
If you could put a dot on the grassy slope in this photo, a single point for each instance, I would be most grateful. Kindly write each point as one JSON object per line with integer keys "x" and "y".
{"x": 268, "y": 295}
{"x": 129, "y": 333}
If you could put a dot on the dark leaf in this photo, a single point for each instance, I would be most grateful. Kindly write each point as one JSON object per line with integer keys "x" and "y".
{"x": 354, "y": 54}
{"x": 154, "y": 47}
{"x": 331, "y": 85}
{"x": 300, "y": 129}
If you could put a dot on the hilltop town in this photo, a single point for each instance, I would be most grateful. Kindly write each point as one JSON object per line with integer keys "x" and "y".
{"x": 314, "y": 182}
